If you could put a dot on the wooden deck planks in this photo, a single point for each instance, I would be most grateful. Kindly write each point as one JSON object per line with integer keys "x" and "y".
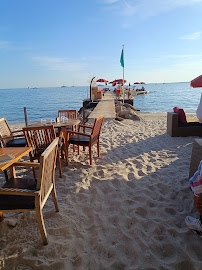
{"x": 106, "y": 106}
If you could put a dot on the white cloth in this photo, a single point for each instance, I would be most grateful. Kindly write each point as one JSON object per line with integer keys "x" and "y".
{"x": 199, "y": 111}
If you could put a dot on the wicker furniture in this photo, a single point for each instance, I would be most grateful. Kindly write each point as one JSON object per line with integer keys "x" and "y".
{"x": 9, "y": 138}
{"x": 83, "y": 139}
{"x": 20, "y": 194}
{"x": 39, "y": 138}
{"x": 177, "y": 129}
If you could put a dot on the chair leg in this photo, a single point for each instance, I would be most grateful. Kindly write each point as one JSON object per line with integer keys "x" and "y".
{"x": 98, "y": 149}
{"x": 59, "y": 163}
{"x": 42, "y": 229}
{"x": 78, "y": 150}
{"x": 1, "y": 216}
{"x": 62, "y": 153}
{"x": 90, "y": 155}
{"x": 34, "y": 172}
{"x": 66, "y": 153}
{"x": 54, "y": 196}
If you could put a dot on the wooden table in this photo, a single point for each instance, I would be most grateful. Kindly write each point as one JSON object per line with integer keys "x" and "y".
{"x": 17, "y": 152}
{"x": 66, "y": 123}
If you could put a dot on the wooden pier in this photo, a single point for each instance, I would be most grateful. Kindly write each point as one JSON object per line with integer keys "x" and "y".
{"x": 106, "y": 106}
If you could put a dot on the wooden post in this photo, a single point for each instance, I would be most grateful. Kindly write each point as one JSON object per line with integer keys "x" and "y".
{"x": 25, "y": 113}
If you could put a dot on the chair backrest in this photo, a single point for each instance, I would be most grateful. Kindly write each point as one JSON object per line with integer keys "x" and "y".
{"x": 70, "y": 114}
{"x": 39, "y": 138}
{"x": 46, "y": 178}
{"x": 5, "y": 131}
{"x": 97, "y": 128}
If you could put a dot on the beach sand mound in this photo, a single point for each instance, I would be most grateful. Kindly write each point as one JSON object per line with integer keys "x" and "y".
{"x": 124, "y": 212}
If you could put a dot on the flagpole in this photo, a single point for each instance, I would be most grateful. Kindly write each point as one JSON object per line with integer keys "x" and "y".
{"x": 123, "y": 77}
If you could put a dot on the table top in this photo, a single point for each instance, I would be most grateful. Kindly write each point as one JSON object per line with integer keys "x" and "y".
{"x": 69, "y": 122}
{"x": 16, "y": 152}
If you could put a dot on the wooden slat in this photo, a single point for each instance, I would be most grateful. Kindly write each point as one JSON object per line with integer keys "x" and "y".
{"x": 17, "y": 152}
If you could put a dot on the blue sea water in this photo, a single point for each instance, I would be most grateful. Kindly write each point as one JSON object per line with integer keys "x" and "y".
{"x": 45, "y": 102}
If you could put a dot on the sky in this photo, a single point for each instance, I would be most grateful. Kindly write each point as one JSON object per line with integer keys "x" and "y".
{"x": 46, "y": 43}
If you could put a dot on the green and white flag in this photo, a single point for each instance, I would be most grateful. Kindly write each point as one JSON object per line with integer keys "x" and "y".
{"x": 122, "y": 59}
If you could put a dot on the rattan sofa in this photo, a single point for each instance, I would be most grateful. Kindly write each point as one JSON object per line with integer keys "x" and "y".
{"x": 177, "y": 129}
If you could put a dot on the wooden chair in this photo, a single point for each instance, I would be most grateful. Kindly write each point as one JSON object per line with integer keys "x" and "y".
{"x": 70, "y": 114}
{"x": 9, "y": 138}
{"x": 83, "y": 139}
{"x": 21, "y": 194}
{"x": 39, "y": 138}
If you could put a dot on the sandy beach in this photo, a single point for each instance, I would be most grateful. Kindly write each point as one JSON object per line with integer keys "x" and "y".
{"x": 125, "y": 212}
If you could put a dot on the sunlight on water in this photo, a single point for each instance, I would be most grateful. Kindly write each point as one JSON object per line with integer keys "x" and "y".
{"x": 45, "y": 102}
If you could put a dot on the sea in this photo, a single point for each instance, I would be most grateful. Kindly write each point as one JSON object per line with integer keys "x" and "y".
{"x": 44, "y": 103}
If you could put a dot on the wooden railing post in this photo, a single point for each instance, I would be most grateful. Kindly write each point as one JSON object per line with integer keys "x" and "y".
{"x": 25, "y": 113}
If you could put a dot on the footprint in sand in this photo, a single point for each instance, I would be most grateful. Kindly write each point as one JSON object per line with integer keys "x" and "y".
{"x": 131, "y": 176}
{"x": 141, "y": 212}
{"x": 170, "y": 211}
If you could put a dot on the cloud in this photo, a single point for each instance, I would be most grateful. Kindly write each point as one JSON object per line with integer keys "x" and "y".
{"x": 61, "y": 64}
{"x": 193, "y": 36}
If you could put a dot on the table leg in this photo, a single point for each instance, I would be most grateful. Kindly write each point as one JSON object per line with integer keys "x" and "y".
{"x": 12, "y": 172}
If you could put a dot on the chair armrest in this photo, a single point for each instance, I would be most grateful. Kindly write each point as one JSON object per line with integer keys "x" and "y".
{"x": 15, "y": 191}
{"x": 78, "y": 133}
{"x": 11, "y": 137}
{"x": 26, "y": 164}
{"x": 16, "y": 131}
{"x": 85, "y": 126}
{"x": 6, "y": 137}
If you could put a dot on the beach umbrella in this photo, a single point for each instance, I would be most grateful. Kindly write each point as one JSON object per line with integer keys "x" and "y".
{"x": 102, "y": 80}
{"x": 113, "y": 83}
{"x": 119, "y": 81}
{"x": 197, "y": 82}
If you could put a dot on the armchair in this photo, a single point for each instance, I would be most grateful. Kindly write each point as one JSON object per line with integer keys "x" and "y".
{"x": 39, "y": 138}
{"x": 9, "y": 138}
{"x": 21, "y": 194}
{"x": 83, "y": 139}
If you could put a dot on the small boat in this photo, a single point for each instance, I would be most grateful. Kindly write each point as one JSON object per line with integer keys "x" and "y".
{"x": 138, "y": 92}
{"x": 135, "y": 92}
{"x": 63, "y": 86}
